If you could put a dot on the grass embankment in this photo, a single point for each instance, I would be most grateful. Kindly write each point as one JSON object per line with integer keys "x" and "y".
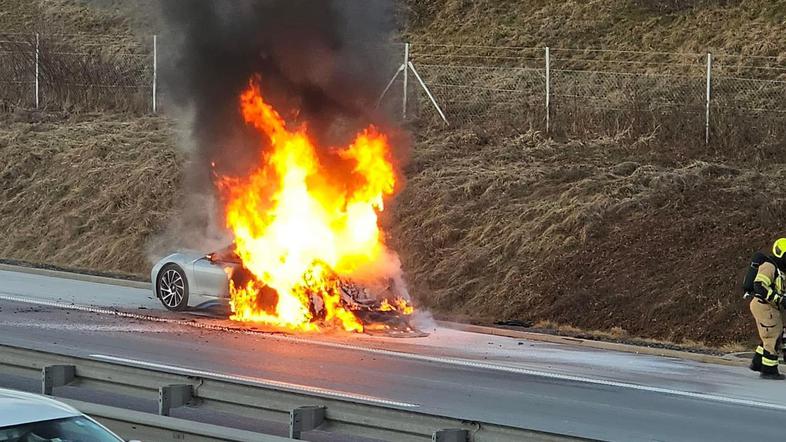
{"x": 747, "y": 27}
{"x": 87, "y": 191}
{"x": 597, "y": 234}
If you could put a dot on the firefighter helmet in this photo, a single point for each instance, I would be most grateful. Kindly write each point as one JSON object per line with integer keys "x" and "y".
{"x": 779, "y": 248}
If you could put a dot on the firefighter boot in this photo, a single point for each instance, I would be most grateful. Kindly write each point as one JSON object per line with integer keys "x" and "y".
{"x": 756, "y": 362}
{"x": 769, "y": 366}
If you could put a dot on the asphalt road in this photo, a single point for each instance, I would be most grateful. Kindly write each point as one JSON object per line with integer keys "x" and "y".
{"x": 557, "y": 388}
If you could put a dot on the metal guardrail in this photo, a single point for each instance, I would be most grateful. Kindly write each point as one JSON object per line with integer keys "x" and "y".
{"x": 135, "y": 425}
{"x": 303, "y": 411}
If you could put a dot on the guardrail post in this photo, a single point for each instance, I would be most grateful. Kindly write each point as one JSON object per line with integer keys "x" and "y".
{"x": 305, "y": 419}
{"x": 56, "y": 376}
{"x": 173, "y": 396}
{"x": 450, "y": 435}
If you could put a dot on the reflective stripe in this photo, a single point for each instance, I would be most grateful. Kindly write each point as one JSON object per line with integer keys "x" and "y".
{"x": 769, "y": 362}
{"x": 764, "y": 279}
{"x": 760, "y": 350}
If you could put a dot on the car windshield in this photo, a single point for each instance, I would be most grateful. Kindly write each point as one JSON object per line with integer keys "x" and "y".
{"x": 71, "y": 429}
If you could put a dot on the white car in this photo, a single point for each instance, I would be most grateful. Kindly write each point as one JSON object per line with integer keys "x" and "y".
{"x": 27, "y": 417}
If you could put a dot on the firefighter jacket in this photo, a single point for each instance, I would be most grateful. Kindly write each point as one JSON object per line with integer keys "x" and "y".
{"x": 769, "y": 284}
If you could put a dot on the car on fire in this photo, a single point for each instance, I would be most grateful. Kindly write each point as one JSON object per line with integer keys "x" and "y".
{"x": 188, "y": 280}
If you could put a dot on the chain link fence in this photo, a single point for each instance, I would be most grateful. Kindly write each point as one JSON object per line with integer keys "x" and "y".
{"x": 76, "y": 72}
{"x": 678, "y": 96}
{"x": 724, "y": 98}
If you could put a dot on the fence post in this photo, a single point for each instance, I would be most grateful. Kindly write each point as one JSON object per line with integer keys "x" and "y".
{"x": 155, "y": 69}
{"x": 548, "y": 89}
{"x": 406, "y": 80}
{"x": 37, "y": 56}
{"x": 709, "y": 99}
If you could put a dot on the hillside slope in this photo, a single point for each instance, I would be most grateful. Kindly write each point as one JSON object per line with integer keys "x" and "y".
{"x": 749, "y": 27}
{"x": 597, "y": 234}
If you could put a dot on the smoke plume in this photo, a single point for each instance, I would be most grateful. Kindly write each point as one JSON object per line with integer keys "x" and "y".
{"x": 320, "y": 61}
{"x": 325, "y": 60}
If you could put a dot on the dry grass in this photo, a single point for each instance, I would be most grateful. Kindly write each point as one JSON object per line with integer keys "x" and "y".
{"x": 124, "y": 21}
{"x": 595, "y": 235}
{"x": 85, "y": 191}
{"x": 751, "y": 27}
{"x": 619, "y": 335}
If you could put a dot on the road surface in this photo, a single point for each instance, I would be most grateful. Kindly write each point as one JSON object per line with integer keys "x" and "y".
{"x": 558, "y": 388}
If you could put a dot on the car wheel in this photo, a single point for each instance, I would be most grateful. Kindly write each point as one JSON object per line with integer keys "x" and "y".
{"x": 172, "y": 287}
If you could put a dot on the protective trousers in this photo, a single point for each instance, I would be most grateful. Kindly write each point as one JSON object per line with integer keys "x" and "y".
{"x": 770, "y": 325}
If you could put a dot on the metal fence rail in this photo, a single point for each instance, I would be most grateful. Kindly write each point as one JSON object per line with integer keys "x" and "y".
{"x": 302, "y": 410}
{"x": 77, "y": 72}
{"x": 687, "y": 96}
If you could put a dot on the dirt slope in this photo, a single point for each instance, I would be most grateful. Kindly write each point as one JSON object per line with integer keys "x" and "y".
{"x": 85, "y": 191}
{"x": 596, "y": 234}
{"x": 750, "y": 27}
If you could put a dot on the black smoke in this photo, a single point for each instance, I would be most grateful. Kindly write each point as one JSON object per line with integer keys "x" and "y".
{"x": 324, "y": 62}
{"x": 320, "y": 61}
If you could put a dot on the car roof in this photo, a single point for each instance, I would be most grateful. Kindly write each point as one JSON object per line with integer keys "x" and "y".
{"x": 17, "y": 407}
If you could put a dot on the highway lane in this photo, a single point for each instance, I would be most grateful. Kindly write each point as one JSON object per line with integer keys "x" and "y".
{"x": 606, "y": 395}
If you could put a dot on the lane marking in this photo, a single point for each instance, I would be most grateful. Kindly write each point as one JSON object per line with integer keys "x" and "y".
{"x": 260, "y": 381}
{"x": 411, "y": 356}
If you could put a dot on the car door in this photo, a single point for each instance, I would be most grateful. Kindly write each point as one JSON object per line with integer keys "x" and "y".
{"x": 210, "y": 278}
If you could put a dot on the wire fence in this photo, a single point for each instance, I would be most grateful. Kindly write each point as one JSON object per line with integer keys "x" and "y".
{"x": 75, "y": 72}
{"x": 692, "y": 97}
{"x": 720, "y": 98}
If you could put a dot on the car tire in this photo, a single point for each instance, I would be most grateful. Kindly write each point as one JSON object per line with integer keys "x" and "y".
{"x": 172, "y": 287}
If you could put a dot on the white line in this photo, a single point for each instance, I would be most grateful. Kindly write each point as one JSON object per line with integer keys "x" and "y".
{"x": 266, "y": 382}
{"x": 432, "y": 359}
{"x": 523, "y": 371}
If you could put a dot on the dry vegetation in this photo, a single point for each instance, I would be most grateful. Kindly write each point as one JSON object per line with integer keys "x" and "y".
{"x": 597, "y": 234}
{"x": 750, "y": 27}
{"x": 85, "y": 191}
{"x": 625, "y": 234}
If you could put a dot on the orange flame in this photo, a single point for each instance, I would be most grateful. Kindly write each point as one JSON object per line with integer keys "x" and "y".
{"x": 300, "y": 225}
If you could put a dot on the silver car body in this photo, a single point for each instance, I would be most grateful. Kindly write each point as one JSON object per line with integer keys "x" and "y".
{"x": 207, "y": 279}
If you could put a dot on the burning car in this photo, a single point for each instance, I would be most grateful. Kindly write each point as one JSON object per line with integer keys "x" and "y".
{"x": 184, "y": 280}
{"x": 308, "y": 250}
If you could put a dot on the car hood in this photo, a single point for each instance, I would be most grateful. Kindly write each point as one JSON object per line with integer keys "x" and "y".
{"x": 17, "y": 407}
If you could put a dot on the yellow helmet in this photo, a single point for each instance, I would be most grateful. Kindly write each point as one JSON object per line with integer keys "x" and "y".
{"x": 779, "y": 248}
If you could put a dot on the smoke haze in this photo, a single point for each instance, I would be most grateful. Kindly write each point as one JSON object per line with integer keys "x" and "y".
{"x": 320, "y": 61}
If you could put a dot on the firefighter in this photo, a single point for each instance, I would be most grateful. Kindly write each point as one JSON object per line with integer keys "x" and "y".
{"x": 767, "y": 306}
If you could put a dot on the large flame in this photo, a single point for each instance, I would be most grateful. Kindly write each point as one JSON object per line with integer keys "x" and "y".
{"x": 303, "y": 219}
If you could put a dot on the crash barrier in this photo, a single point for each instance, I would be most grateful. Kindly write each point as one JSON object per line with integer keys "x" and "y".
{"x": 135, "y": 425}
{"x": 303, "y": 411}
